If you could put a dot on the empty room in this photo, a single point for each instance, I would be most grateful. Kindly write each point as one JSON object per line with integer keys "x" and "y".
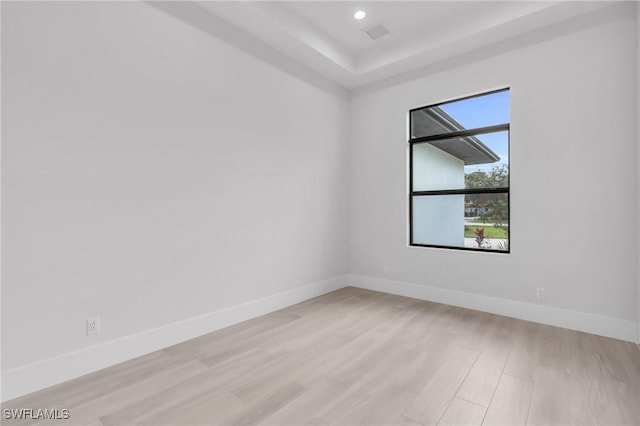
{"x": 320, "y": 212}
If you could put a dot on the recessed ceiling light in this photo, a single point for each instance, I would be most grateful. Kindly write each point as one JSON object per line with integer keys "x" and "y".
{"x": 359, "y": 15}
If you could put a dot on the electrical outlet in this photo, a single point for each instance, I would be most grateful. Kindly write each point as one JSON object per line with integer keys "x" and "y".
{"x": 540, "y": 293}
{"x": 386, "y": 270}
{"x": 93, "y": 325}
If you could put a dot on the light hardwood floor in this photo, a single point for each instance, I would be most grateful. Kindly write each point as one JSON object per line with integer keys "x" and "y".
{"x": 361, "y": 357}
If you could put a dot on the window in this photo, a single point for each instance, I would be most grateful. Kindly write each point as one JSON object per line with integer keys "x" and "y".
{"x": 459, "y": 173}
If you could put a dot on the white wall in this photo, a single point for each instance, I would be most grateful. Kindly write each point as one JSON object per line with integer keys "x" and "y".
{"x": 151, "y": 174}
{"x": 638, "y": 147}
{"x": 574, "y": 189}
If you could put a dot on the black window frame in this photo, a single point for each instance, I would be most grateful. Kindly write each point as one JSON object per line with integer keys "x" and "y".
{"x": 464, "y": 191}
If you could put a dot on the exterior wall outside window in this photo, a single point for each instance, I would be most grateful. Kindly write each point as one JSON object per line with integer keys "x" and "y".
{"x": 434, "y": 168}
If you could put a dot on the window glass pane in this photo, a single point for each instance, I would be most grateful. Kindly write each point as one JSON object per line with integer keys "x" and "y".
{"x": 438, "y": 220}
{"x": 494, "y": 174}
{"x": 476, "y": 221}
{"x": 470, "y": 113}
{"x": 480, "y": 161}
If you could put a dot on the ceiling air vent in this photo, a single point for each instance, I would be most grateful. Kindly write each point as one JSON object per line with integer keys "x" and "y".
{"x": 376, "y": 31}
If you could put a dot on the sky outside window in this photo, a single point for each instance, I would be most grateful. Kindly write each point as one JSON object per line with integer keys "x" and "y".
{"x": 482, "y": 111}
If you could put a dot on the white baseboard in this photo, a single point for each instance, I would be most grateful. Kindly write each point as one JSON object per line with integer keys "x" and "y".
{"x": 30, "y": 378}
{"x": 574, "y": 320}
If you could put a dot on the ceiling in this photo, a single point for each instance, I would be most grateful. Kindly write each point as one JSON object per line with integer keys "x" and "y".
{"x": 324, "y": 36}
